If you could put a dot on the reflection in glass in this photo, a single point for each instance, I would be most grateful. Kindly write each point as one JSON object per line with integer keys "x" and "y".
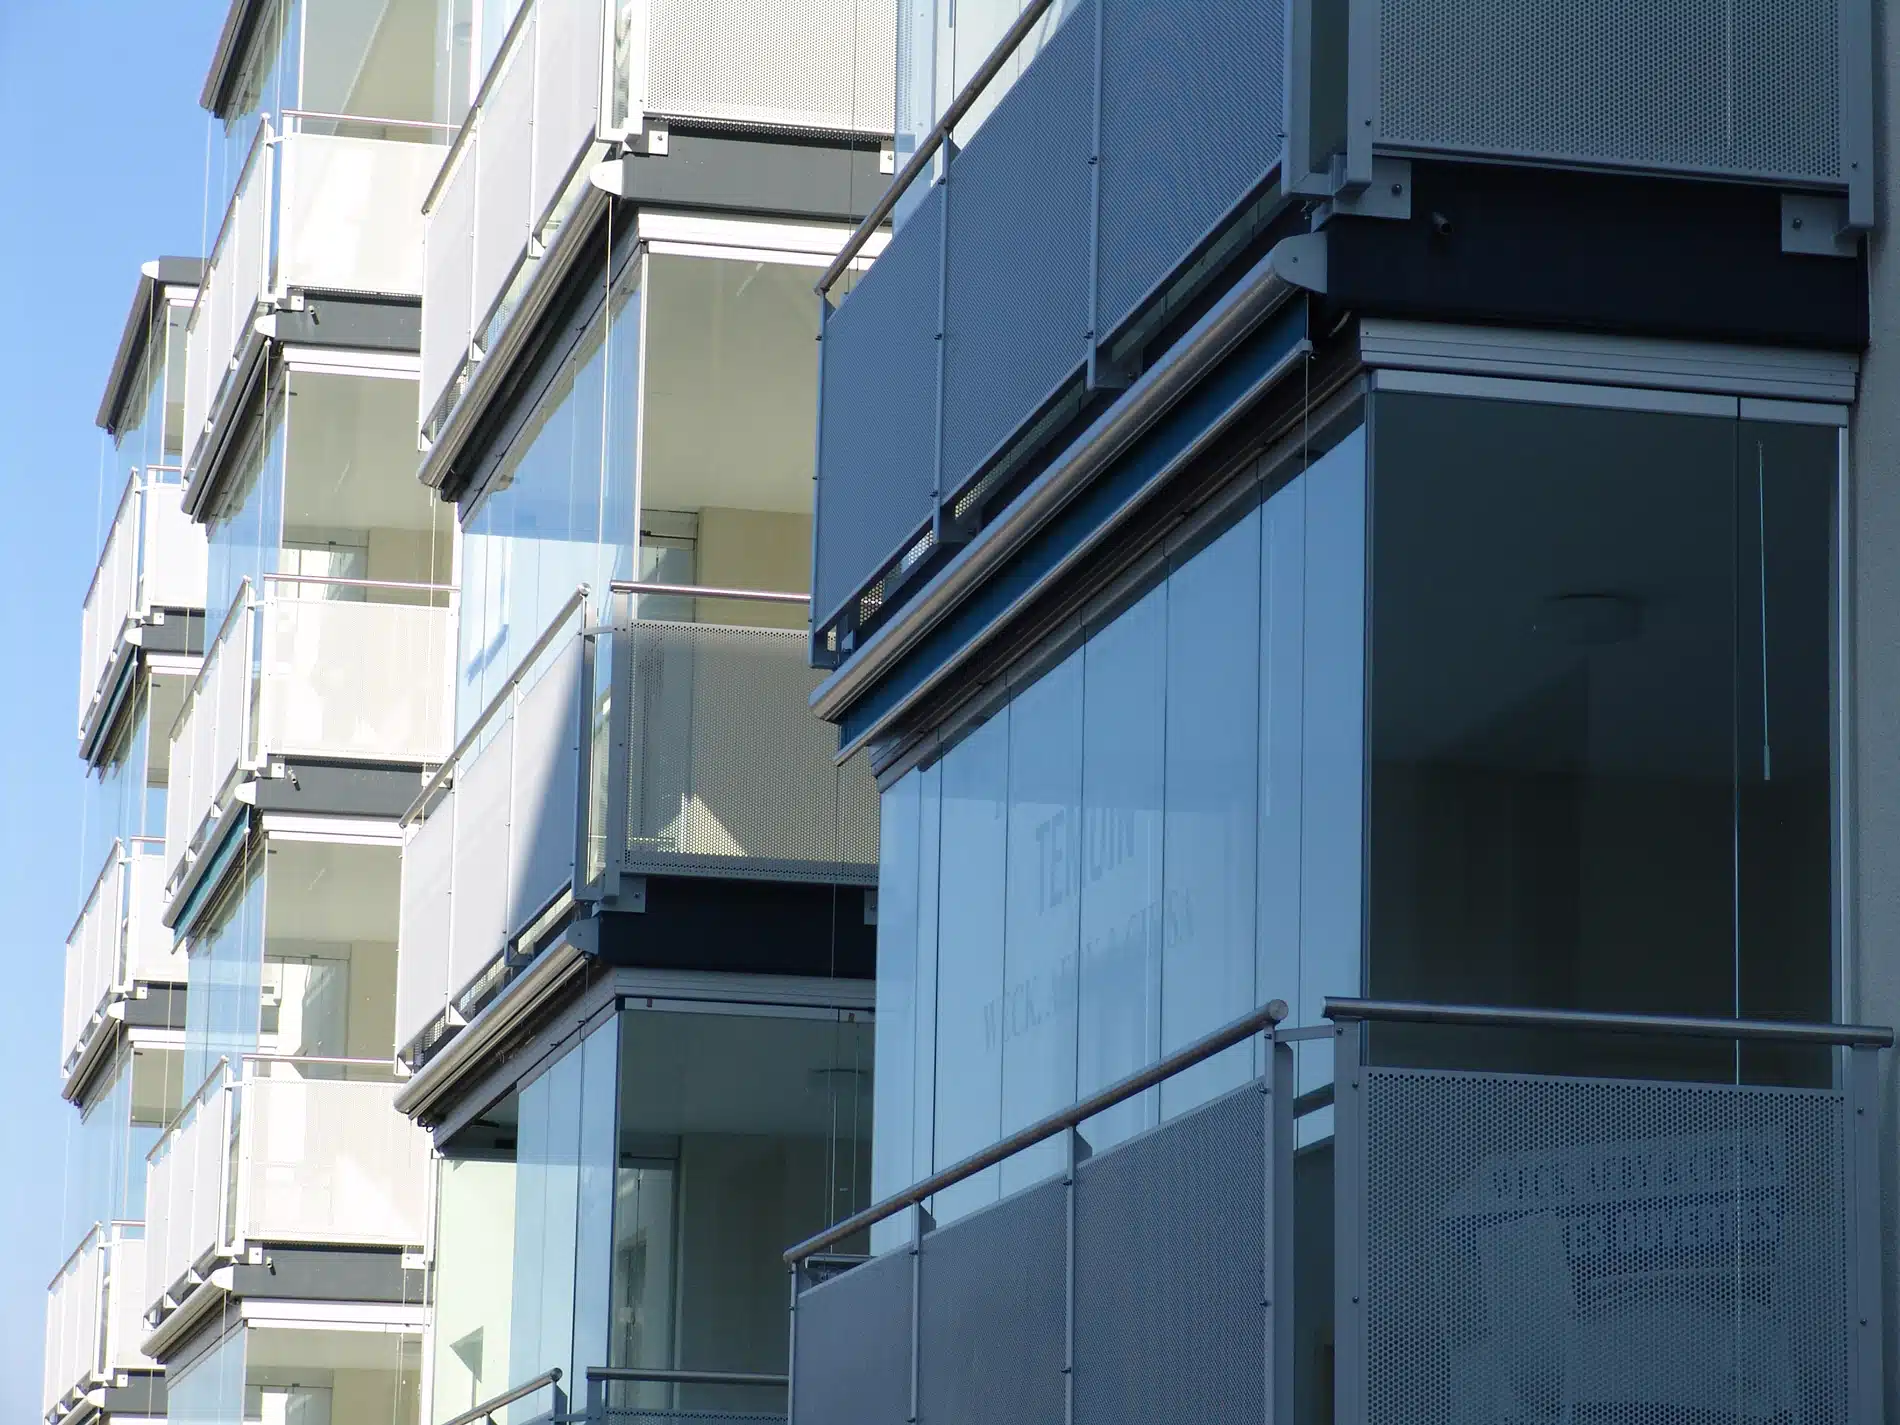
{"x": 1600, "y": 752}
{"x": 1213, "y": 675}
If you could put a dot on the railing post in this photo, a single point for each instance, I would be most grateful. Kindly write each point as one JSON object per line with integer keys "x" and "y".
{"x": 916, "y": 1302}
{"x": 1278, "y": 1279}
{"x": 619, "y": 749}
{"x": 1861, "y": 1161}
{"x": 597, "y": 1390}
{"x": 943, "y": 340}
{"x": 1349, "y": 1224}
{"x": 1075, "y": 1150}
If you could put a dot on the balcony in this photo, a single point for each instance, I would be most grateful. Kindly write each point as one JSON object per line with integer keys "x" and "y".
{"x": 1040, "y": 257}
{"x": 153, "y": 561}
{"x": 305, "y": 1150}
{"x": 1440, "y": 1243}
{"x": 314, "y": 667}
{"x": 574, "y": 77}
{"x": 644, "y": 747}
{"x": 93, "y": 1323}
{"x": 329, "y": 203}
{"x": 119, "y": 942}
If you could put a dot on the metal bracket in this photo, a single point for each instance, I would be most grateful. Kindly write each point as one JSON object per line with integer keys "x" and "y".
{"x": 633, "y": 894}
{"x": 886, "y": 159}
{"x": 1816, "y": 225}
{"x": 1389, "y": 195}
{"x": 653, "y": 139}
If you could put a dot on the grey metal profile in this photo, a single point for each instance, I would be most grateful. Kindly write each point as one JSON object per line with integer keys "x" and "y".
{"x": 1256, "y": 1021}
{"x": 699, "y": 591}
{"x": 154, "y": 278}
{"x": 487, "y": 1408}
{"x": 1471, "y": 1016}
{"x": 959, "y": 106}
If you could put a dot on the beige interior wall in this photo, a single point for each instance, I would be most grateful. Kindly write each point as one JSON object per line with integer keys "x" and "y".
{"x": 409, "y": 555}
{"x": 373, "y": 1397}
{"x": 372, "y": 1028}
{"x": 754, "y": 549}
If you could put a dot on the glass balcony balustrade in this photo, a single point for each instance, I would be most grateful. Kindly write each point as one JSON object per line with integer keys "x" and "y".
{"x": 94, "y": 1323}
{"x": 573, "y": 77}
{"x": 282, "y": 1149}
{"x": 153, "y": 560}
{"x": 637, "y": 746}
{"x": 312, "y": 666}
{"x": 119, "y": 942}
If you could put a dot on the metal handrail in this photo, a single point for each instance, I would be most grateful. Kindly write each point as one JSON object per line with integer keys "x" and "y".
{"x": 1471, "y": 1016}
{"x": 700, "y": 591}
{"x": 133, "y": 485}
{"x": 329, "y": 1059}
{"x": 332, "y": 579}
{"x": 1257, "y": 1021}
{"x": 367, "y": 119}
{"x": 574, "y": 601}
{"x": 240, "y": 603}
{"x": 934, "y": 140}
{"x": 508, "y": 1397}
{"x": 666, "y": 1377}
{"x": 86, "y": 1244}
{"x": 115, "y": 855}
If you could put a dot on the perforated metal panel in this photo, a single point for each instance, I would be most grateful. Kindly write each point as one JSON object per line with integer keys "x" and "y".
{"x": 568, "y": 84}
{"x": 991, "y": 1314}
{"x": 1193, "y": 98}
{"x": 1170, "y": 1229}
{"x": 544, "y": 827}
{"x": 852, "y": 1345}
{"x": 1543, "y": 1249}
{"x": 824, "y": 64}
{"x": 422, "y": 944}
{"x": 448, "y": 252}
{"x": 503, "y": 177}
{"x": 1016, "y": 311}
{"x": 480, "y": 869}
{"x": 1733, "y": 87}
{"x": 729, "y": 772}
{"x": 877, "y": 433}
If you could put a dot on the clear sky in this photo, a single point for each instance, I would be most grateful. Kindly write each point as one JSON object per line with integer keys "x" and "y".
{"x": 101, "y": 168}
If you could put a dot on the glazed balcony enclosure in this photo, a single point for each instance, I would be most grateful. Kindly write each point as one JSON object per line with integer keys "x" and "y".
{"x": 311, "y": 666}
{"x": 327, "y": 146}
{"x": 119, "y": 944}
{"x": 575, "y": 78}
{"x": 94, "y": 1318}
{"x": 1422, "y": 1243}
{"x": 1042, "y": 254}
{"x": 153, "y": 564}
{"x": 639, "y": 746}
{"x": 285, "y": 1149}
{"x": 331, "y": 636}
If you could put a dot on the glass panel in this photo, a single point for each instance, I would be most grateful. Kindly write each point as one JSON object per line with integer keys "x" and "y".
{"x": 473, "y": 1283}
{"x": 898, "y": 871}
{"x": 1124, "y": 919}
{"x": 375, "y": 60}
{"x": 225, "y": 976}
{"x": 1207, "y": 967}
{"x": 558, "y": 512}
{"x": 525, "y": 1356}
{"x": 739, "y": 1133}
{"x": 246, "y": 529}
{"x": 1036, "y": 1017}
{"x": 265, "y": 82}
{"x": 209, "y": 1390}
{"x": 1571, "y": 777}
{"x": 970, "y": 977}
{"x": 595, "y": 1192}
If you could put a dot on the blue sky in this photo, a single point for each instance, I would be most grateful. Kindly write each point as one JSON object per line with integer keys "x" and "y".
{"x": 101, "y": 168}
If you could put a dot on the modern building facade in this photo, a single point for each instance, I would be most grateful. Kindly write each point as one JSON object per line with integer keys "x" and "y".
{"x": 478, "y": 988}
{"x": 639, "y": 896}
{"x": 1354, "y": 537}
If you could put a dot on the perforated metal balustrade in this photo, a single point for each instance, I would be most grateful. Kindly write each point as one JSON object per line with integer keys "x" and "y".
{"x": 1486, "y": 1247}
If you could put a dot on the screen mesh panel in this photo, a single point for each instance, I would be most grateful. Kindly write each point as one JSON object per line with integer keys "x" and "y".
{"x": 728, "y": 771}
{"x": 1549, "y": 1249}
{"x": 1734, "y": 87}
{"x": 877, "y": 418}
{"x": 852, "y": 1347}
{"x": 1164, "y": 185}
{"x": 824, "y": 64}
{"x": 1016, "y": 294}
{"x": 1170, "y": 1229}
{"x": 991, "y": 1314}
